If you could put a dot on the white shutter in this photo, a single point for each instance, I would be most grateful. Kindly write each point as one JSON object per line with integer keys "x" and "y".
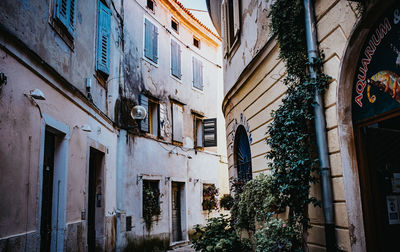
{"x": 177, "y": 123}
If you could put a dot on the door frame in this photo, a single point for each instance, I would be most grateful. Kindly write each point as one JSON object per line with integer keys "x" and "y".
{"x": 103, "y": 149}
{"x": 184, "y": 212}
{"x": 346, "y": 130}
{"x": 62, "y": 131}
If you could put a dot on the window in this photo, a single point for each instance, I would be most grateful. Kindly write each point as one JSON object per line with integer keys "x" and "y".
{"x": 242, "y": 155}
{"x": 150, "y": 41}
{"x": 103, "y": 39}
{"x": 176, "y": 59}
{"x": 65, "y": 14}
{"x": 198, "y": 131}
{"x": 205, "y": 131}
{"x": 210, "y": 193}
{"x": 177, "y": 122}
{"x": 196, "y": 42}
{"x": 152, "y": 123}
{"x": 175, "y": 25}
{"x": 197, "y": 74}
{"x": 150, "y": 5}
{"x": 232, "y": 22}
{"x": 151, "y": 198}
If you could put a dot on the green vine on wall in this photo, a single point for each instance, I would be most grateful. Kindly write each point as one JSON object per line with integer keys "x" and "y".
{"x": 292, "y": 143}
{"x": 151, "y": 205}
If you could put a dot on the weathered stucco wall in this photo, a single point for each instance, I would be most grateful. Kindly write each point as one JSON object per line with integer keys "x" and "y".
{"x": 259, "y": 91}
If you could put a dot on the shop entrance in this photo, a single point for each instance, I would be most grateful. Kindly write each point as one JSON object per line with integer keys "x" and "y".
{"x": 379, "y": 162}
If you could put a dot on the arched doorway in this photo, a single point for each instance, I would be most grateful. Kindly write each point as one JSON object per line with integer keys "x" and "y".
{"x": 369, "y": 128}
{"x": 242, "y": 155}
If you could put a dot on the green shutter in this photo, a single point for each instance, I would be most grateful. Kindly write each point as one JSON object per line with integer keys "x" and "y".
{"x": 103, "y": 39}
{"x": 144, "y": 124}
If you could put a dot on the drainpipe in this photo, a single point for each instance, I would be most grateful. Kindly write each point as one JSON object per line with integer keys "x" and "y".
{"x": 320, "y": 130}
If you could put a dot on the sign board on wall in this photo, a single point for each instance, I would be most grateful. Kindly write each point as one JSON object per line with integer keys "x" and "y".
{"x": 377, "y": 81}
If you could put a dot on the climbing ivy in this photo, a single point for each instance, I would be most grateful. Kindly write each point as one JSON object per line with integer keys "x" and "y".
{"x": 293, "y": 160}
{"x": 151, "y": 205}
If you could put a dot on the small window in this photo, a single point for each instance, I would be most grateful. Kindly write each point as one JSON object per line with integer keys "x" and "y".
{"x": 196, "y": 42}
{"x": 151, "y": 198}
{"x": 210, "y": 193}
{"x": 151, "y": 124}
{"x": 232, "y": 22}
{"x": 197, "y": 74}
{"x": 198, "y": 131}
{"x": 175, "y": 25}
{"x": 151, "y": 41}
{"x": 150, "y": 5}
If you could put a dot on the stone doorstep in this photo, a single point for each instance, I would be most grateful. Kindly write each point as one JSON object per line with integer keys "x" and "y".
{"x": 183, "y": 246}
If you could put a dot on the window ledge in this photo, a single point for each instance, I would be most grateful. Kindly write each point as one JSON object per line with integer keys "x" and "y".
{"x": 198, "y": 90}
{"x": 176, "y": 78}
{"x": 150, "y": 61}
{"x": 61, "y": 31}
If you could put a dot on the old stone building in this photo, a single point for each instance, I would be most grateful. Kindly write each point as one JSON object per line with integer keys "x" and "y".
{"x": 74, "y": 164}
{"x": 361, "y": 110}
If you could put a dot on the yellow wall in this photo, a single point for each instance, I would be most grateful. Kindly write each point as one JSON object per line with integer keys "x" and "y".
{"x": 262, "y": 91}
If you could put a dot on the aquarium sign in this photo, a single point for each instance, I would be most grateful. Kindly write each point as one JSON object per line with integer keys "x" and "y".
{"x": 377, "y": 83}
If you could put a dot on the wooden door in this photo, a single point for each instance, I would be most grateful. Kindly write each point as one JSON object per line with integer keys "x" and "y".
{"x": 47, "y": 192}
{"x": 176, "y": 212}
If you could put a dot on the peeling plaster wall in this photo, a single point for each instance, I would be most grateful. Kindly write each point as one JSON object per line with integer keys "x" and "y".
{"x": 255, "y": 29}
{"x": 148, "y": 156}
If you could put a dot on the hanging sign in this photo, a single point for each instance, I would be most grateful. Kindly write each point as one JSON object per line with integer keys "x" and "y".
{"x": 377, "y": 81}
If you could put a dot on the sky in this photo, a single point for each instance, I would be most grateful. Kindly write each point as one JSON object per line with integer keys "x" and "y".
{"x": 200, "y": 15}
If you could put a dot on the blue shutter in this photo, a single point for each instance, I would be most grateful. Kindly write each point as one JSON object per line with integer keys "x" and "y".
{"x": 144, "y": 124}
{"x": 103, "y": 39}
{"x": 61, "y": 11}
{"x": 178, "y": 63}
{"x": 194, "y": 63}
{"x": 200, "y": 74}
{"x": 155, "y": 43}
{"x": 71, "y": 16}
{"x": 148, "y": 42}
{"x": 175, "y": 59}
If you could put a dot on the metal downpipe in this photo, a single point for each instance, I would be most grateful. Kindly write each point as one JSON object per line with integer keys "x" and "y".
{"x": 320, "y": 130}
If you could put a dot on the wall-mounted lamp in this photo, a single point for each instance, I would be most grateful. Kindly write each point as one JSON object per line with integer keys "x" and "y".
{"x": 138, "y": 179}
{"x": 3, "y": 80}
{"x": 196, "y": 181}
{"x": 37, "y": 94}
{"x": 86, "y": 127}
{"x": 189, "y": 157}
{"x": 138, "y": 112}
{"x": 167, "y": 179}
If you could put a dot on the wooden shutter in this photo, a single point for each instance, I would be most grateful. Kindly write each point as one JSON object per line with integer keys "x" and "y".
{"x": 162, "y": 119}
{"x": 236, "y": 18}
{"x": 210, "y": 132}
{"x": 197, "y": 74}
{"x": 148, "y": 41}
{"x": 144, "y": 124}
{"x": 71, "y": 16}
{"x": 103, "y": 39}
{"x": 177, "y": 123}
{"x": 175, "y": 59}
{"x": 61, "y": 11}
{"x": 155, "y": 43}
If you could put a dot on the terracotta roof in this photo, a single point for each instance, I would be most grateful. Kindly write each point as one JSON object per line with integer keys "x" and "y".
{"x": 195, "y": 19}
